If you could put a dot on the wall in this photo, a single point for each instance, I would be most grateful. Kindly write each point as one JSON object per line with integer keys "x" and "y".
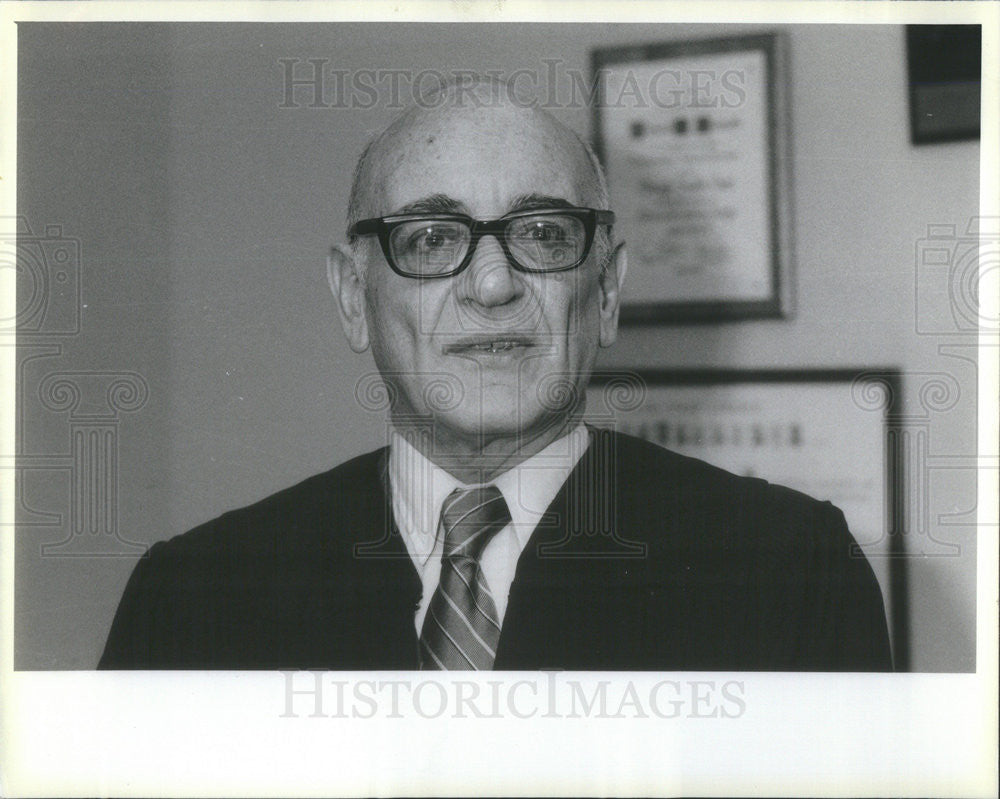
{"x": 92, "y": 161}
{"x": 205, "y": 231}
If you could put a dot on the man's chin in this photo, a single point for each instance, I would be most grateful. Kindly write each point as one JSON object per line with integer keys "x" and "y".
{"x": 497, "y": 422}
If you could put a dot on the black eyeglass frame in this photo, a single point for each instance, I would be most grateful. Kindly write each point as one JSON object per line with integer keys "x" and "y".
{"x": 383, "y": 226}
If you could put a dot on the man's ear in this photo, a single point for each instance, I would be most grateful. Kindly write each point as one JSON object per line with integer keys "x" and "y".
{"x": 611, "y": 281}
{"x": 349, "y": 292}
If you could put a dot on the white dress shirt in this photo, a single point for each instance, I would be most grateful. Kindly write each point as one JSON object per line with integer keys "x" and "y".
{"x": 419, "y": 488}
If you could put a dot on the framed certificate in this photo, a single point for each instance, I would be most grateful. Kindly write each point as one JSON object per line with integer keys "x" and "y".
{"x": 693, "y": 136}
{"x": 827, "y": 433}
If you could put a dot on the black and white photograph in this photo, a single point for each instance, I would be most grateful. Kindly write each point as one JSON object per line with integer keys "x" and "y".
{"x": 645, "y": 362}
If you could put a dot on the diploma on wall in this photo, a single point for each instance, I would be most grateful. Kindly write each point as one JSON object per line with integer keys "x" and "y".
{"x": 691, "y": 134}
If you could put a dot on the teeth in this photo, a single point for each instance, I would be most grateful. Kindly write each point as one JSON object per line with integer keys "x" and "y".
{"x": 496, "y": 346}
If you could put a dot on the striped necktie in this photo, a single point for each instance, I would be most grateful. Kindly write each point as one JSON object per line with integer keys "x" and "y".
{"x": 461, "y": 629}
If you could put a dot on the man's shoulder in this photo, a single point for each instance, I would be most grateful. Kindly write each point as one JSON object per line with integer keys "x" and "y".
{"x": 704, "y": 495}
{"x": 647, "y": 463}
{"x": 767, "y": 576}
{"x": 237, "y": 591}
{"x": 295, "y": 516}
{"x": 733, "y": 525}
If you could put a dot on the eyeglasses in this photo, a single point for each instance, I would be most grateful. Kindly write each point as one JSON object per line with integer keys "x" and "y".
{"x": 442, "y": 245}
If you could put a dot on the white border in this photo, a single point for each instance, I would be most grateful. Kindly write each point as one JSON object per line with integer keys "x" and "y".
{"x": 87, "y": 733}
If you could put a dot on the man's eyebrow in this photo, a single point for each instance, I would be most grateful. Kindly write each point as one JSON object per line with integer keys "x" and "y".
{"x": 534, "y": 202}
{"x": 432, "y": 204}
{"x": 443, "y": 204}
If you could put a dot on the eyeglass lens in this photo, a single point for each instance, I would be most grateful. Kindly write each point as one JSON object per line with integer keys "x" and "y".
{"x": 540, "y": 243}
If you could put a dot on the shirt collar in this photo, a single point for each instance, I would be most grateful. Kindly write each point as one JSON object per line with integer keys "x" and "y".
{"x": 418, "y": 488}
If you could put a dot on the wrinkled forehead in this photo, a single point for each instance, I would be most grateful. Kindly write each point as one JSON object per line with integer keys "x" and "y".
{"x": 482, "y": 159}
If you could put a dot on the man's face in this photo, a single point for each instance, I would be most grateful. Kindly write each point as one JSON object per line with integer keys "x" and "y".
{"x": 492, "y": 352}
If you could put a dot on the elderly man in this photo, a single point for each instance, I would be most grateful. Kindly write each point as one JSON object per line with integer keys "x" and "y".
{"x": 497, "y": 530}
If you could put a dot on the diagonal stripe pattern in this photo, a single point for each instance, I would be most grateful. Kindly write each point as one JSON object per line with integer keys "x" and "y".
{"x": 461, "y": 629}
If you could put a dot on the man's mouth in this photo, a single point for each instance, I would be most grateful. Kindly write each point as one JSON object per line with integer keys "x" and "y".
{"x": 496, "y": 346}
{"x": 490, "y": 345}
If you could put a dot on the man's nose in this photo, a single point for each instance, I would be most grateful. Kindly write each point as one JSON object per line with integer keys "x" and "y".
{"x": 490, "y": 279}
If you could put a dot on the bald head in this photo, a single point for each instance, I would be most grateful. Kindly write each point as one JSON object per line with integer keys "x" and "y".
{"x": 493, "y": 329}
{"x": 486, "y": 116}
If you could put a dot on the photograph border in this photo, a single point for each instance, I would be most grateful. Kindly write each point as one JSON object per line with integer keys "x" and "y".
{"x": 90, "y": 733}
